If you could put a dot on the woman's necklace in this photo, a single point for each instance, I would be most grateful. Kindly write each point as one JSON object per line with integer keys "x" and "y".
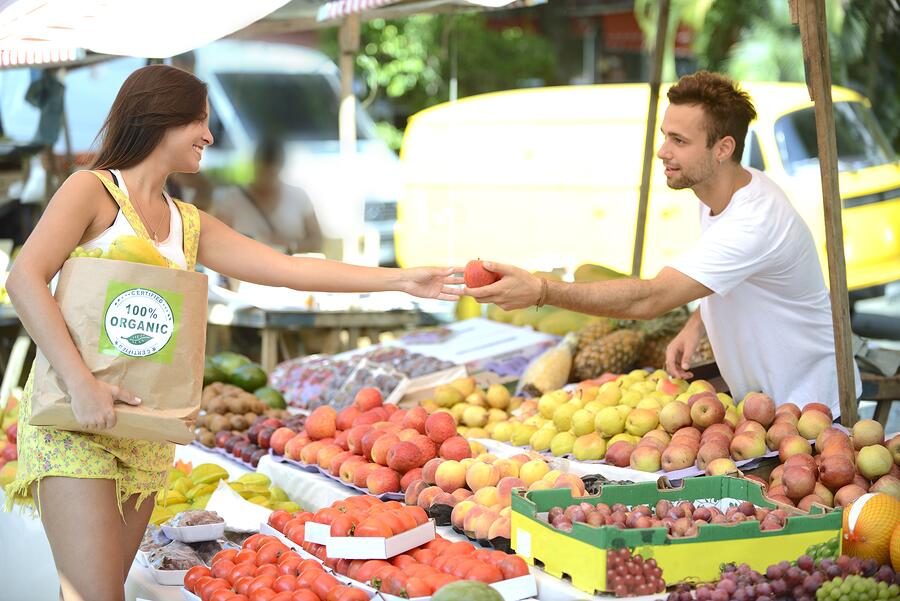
{"x": 153, "y": 231}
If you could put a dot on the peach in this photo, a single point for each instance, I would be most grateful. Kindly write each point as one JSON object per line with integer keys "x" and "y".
{"x": 793, "y": 444}
{"x": 430, "y": 468}
{"x": 471, "y": 517}
{"x": 481, "y": 475}
{"x": 455, "y": 447}
{"x": 412, "y": 491}
{"x": 507, "y": 468}
{"x": 505, "y": 487}
{"x": 410, "y": 476}
{"x": 487, "y": 496}
{"x": 778, "y": 432}
{"x": 813, "y": 422}
{"x": 403, "y": 456}
{"x": 381, "y": 447}
{"x": 533, "y": 470}
{"x": 458, "y": 515}
{"x": 539, "y": 485}
{"x": 427, "y": 496}
{"x": 707, "y": 411}
{"x": 382, "y": 480}
{"x": 440, "y": 426}
{"x": 483, "y": 524}
{"x": 572, "y": 482}
{"x": 444, "y": 498}
{"x": 450, "y": 475}
{"x": 499, "y": 529}
{"x": 836, "y": 472}
{"x": 461, "y": 494}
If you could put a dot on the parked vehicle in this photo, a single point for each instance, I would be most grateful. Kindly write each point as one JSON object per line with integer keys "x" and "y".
{"x": 254, "y": 88}
{"x": 548, "y": 178}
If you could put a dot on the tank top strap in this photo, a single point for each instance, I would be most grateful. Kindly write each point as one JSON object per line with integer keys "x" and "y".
{"x": 190, "y": 228}
{"x": 131, "y": 215}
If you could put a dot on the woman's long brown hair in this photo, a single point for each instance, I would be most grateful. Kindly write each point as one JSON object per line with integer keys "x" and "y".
{"x": 152, "y": 100}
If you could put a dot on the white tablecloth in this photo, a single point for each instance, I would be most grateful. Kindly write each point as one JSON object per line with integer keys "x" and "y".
{"x": 28, "y": 573}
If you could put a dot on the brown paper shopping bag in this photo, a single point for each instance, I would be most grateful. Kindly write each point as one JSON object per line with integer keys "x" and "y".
{"x": 138, "y": 326}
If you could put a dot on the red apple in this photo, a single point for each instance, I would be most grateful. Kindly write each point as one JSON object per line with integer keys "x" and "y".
{"x": 477, "y": 276}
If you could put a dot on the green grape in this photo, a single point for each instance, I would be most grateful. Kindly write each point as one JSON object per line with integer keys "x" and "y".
{"x": 96, "y": 253}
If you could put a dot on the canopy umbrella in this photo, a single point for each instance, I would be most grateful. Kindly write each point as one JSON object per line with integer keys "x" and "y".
{"x": 155, "y": 29}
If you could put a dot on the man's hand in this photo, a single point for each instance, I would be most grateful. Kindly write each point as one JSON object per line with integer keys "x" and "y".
{"x": 683, "y": 346}
{"x": 516, "y": 289}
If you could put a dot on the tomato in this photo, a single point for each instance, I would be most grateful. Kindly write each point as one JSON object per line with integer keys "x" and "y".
{"x": 264, "y": 581}
{"x": 458, "y": 548}
{"x": 195, "y": 574}
{"x": 255, "y": 541}
{"x": 239, "y": 571}
{"x": 267, "y": 569}
{"x": 368, "y": 569}
{"x": 240, "y": 597}
{"x": 512, "y": 566}
{"x": 402, "y": 561}
{"x": 277, "y": 519}
{"x": 344, "y": 525}
{"x": 306, "y": 579}
{"x": 349, "y": 594}
{"x": 437, "y": 545}
{"x": 425, "y": 556}
{"x": 323, "y": 584}
{"x": 243, "y": 583}
{"x": 417, "y": 513}
{"x": 270, "y": 552}
{"x": 353, "y": 568}
{"x": 443, "y": 562}
{"x": 295, "y": 532}
{"x": 419, "y": 570}
{"x": 408, "y": 522}
{"x": 283, "y": 596}
{"x": 245, "y": 555}
{"x": 305, "y": 595}
{"x": 224, "y": 554}
{"x": 438, "y": 580}
{"x": 262, "y": 594}
{"x": 417, "y": 587}
{"x": 342, "y": 566}
{"x": 374, "y": 527}
{"x": 208, "y": 588}
{"x": 222, "y": 569}
{"x": 289, "y": 564}
{"x": 223, "y": 594}
{"x": 393, "y": 505}
{"x": 308, "y": 564}
{"x": 393, "y": 584}
{"x": 327, "y": 515}
{"x": 303, "y": 516}
{"x": 485, "y": 573}
{"x": 462, "y": 566}
{"x": 381, "y": 574}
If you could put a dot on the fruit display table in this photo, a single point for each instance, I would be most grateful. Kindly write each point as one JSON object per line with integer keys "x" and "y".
{"x": 271, "y": 323}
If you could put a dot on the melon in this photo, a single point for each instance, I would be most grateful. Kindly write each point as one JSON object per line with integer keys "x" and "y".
{"x": 466, "y": 590}
{"x": 870, "y": 523}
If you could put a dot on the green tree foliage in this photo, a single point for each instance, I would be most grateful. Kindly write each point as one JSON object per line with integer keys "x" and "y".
{"x": 409, "y": 61}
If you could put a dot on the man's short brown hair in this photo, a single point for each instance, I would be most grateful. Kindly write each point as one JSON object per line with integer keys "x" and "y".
{"x": 728, "y": 109}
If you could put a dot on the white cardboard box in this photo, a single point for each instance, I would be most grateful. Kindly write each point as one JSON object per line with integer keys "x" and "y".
{"x": 195, "y": 534}
{"x": 372, "y": 547}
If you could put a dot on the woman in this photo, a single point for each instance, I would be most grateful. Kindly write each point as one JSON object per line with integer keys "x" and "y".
{"x": 91, "y": 490}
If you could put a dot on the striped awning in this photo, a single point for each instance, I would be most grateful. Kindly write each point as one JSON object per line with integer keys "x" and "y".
{"x": 338, "y": 9}
{"x": 147, "y": 29}
{"x": 39, "y": 54}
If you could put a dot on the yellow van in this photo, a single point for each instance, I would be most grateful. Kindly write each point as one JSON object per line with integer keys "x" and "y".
{"x": 549, "y": 178}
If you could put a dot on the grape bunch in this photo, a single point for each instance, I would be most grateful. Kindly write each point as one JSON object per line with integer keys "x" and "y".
{"x": 858, "y": 588}
{"x": 800, "y": 581}
{"x": 826, "y": 550}
{"x": 628, "y": 575}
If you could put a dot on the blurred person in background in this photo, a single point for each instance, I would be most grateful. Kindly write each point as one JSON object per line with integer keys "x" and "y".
{"x": 267, "y": 209}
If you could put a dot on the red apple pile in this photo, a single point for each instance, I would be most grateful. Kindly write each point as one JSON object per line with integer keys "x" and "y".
{"x": 372, "y": 445}
{"x": 839, "y": 469}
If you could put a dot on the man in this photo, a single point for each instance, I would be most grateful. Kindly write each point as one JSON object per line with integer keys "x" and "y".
{"x": 764, "y": 303}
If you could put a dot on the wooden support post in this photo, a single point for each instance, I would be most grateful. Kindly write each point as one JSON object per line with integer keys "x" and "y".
{"x": 810, "y": 16}
{"x": 348, "y": 37}
{"x": 662, "y": 26}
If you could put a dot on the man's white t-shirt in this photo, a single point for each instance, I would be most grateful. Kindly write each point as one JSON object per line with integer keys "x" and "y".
{"x": 286, "y": 224}
{"x": 769, "y": 319}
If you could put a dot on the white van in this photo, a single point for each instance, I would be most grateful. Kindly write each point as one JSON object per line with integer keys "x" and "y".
{"x": 254, "y": 87}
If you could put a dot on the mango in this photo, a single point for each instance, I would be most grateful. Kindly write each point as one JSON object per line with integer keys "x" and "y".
{"x": 136, "y": 250}
{"x": 208, "y": 473}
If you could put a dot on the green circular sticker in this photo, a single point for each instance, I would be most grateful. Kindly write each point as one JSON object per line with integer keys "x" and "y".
{"x": 139, "y": 322}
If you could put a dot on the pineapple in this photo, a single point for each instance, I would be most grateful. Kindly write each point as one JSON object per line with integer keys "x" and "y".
{"x": 614, "y": 353}
{"x": 653, "y": 354}
{"x": 660, "y": 332}
{"x": 550, "y": 370}
{"x": 595, "y": 331}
